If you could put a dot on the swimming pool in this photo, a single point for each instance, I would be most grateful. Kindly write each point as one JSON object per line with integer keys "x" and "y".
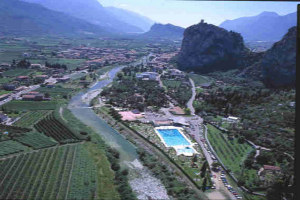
{"x": 172, "y": 137}
{"x": 186, "y": 150}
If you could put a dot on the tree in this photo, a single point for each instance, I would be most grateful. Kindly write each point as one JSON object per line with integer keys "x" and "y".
{"x": 47, "y": 95}
{"x": 195, "y": 158}
{"x": 203, "y": 169}
{"x": 120, "y": 76}
{"x": 204, "y": 184}
{"x": 241, "y": 139}
{"x": 215, "y": 164}
{"x": 187, "y": 111}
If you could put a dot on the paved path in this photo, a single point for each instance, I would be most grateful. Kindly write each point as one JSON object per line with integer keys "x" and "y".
{"x": 190, "y": 102}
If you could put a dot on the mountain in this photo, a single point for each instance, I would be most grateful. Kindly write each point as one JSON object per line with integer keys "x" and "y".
{"x": 165, "y": 31}
{"x": 279, "y": 63}
{"x": 130, "y": 17}
{"x": 22, "y": 18}
{"x": 206, "y": 48}
{"x": 267, "y": 26}
{"x": 91, "y": 11}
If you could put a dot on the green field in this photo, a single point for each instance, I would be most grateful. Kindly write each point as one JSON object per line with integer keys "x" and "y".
{"x": 17, "y": 72}
{"x": 36, "y": 140}
{"x": 29, "y": 105}
{"x": 10, "y": 147}
{"x": 5, "y": 80}
{"x": 4, "y": 92}
{"x": 56, "y": 92}
{"x": 230, "y": 152}
{"x": 199, "y": 79}
{"x": 171, "y": 84}
{"x": 31, "y": 117}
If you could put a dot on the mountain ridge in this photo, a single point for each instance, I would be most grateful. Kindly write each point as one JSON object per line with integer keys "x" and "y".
{"x": 266, "y": 26}
{"x": 22, "y": 18}
{"x": 164, "y": 31}
{"x": 91, "y": 11}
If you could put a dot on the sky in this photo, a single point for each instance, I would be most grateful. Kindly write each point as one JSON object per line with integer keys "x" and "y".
{"x": 186, "y": 13}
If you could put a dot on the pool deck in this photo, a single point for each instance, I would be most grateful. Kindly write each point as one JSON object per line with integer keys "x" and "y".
{"x": 177, "y": 147}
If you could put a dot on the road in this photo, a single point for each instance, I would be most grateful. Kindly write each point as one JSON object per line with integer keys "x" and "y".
{"x": 196, "y": 131}
{"x": 190, "y": 102}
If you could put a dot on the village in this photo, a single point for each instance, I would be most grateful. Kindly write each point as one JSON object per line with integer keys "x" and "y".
{"x": 172, "y": 117}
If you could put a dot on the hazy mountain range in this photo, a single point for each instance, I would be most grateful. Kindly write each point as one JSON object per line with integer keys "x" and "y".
{"x": 267, "y": 26}
{"x": 112, "y": 19}
{"x": 21, "y": 18}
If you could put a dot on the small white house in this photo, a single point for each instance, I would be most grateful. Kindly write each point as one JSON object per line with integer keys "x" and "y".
{"x": 231, "y": 119}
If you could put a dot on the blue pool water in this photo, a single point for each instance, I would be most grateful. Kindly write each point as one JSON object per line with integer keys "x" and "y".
{"x": 185, "y": 150}
{"x": 172, "y": 137}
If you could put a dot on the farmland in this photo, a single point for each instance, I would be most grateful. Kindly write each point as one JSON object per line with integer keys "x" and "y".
{"x": 230, "y": 152}
{"x": 51, "y": 127}
{"x": 56, "y": 92}
{"x": 10, "y": 147}
{"x": 31, "y": 117}
{"x": 29, "y": 105}
{"x": 43, "y": 174}
{"x": 17, "y": 72}
{"x": 36, "y": 140}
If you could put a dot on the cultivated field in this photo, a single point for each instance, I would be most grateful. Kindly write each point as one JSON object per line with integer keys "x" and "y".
{"x": 36, "y": 140}
{"x": 10, "y": 147}
{"x": 230, "y": 152}
{"x": 51, "y": 127}
{"x": 31, "y": 117}
{"x": 55, "y": 173}
{"x": 29, "y": 105}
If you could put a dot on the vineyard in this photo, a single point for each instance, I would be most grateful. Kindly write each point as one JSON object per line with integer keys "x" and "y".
{"x": 230, "y": 152}
{"x": 64, "y": 172}
{"x": 83, "y": 181}
{"x": 10, "y": 147}
{"x": 36, "y": 140}
{"x": 31, "y": 117}
{"x": 51, "y": 127}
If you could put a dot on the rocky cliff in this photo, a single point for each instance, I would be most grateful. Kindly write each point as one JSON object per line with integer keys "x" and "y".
{"x": 207, "y": 48}
{"x": 279, "y": 63}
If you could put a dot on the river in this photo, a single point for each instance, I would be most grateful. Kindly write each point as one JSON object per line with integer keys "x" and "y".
{"x": 84, "y": 113}
{"x": 141, "y": 180}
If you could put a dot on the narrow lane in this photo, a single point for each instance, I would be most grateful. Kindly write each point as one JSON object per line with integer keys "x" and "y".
{"x": 190, "y": 102}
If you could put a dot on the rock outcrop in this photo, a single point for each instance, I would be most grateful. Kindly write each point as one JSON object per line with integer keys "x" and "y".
{"x": 279, "y": 63}
{"x": 207, "y": 48}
